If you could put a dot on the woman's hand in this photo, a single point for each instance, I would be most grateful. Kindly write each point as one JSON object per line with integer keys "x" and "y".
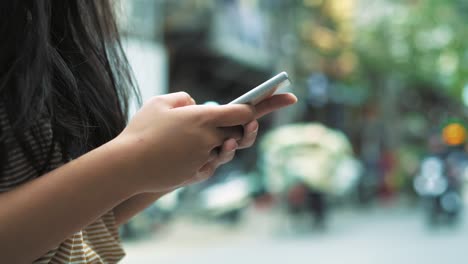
{"x": 265, "y": 107}
{"x": 244, "y": 136}
{"x": 169, "y": 145}
{"x": 250, "y": 130}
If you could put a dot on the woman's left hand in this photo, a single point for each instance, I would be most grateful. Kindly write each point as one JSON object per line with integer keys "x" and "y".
{"x": 265, "y": 107}
{"x": 247, "y": 138}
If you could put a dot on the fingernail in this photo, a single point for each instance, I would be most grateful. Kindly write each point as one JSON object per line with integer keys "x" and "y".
{"x": 254, "y": 132}
{"x": 295, "y": 98}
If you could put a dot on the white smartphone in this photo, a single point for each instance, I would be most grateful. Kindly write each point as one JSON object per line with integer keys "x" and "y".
{"x": 264, "y": 90}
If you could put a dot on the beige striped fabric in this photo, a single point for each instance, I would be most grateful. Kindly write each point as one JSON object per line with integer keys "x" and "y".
{"x": 97, "y": 243}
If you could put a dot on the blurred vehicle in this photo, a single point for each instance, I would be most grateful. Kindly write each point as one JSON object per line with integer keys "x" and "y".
{"x": 440, "y": 190}
{"x": 222, "y": 198}
{"x": 440, "y": 180}
{"x": 309, "y": 164}
{"x": 226, "y": 200}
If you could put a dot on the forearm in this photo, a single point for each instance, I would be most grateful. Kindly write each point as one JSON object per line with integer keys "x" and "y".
{"x": 129, "y": 208}
{"x": 39, "y": 215}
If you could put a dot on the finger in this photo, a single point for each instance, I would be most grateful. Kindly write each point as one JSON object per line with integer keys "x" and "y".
{"x": 251, "y": 127}
{"x": 273, "y": 103}
{"x": 228, "y": 151}
{"x": 227, "y": 154}
{"x": 178, "y": 99}
{"x": 227, "y": 146}
{"x": 250, "y": 135}
{"x": 206, "y": 171}
{"x": 232, "y": 115}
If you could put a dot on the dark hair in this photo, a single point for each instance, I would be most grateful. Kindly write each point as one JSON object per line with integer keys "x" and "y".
{"x": 63, "y": 59}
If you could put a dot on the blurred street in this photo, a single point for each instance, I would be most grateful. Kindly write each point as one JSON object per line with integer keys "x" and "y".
{"x": 382, "y": 115}
{"x": 364, "y": 236}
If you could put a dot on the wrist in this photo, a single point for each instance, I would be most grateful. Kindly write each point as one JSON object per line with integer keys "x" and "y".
{"x": 124, "y": 158}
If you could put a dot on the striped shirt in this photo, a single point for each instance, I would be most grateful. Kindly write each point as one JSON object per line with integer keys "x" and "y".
{"x": 97, "y": 243}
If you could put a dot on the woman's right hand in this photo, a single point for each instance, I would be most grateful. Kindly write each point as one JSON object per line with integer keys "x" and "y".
{"x": 170, "y": 139}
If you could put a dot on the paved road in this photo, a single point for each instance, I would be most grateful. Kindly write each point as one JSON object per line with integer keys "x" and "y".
{"x": 378, "y": 236}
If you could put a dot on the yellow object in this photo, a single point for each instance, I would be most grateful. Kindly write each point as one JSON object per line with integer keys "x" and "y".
{"x": 454, "y": 134}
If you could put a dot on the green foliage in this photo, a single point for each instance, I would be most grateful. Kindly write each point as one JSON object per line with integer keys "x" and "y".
{"x": 422, "y": 41}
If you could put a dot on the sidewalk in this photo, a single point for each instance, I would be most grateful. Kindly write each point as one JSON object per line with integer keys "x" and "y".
{"x": 395, "y": 235}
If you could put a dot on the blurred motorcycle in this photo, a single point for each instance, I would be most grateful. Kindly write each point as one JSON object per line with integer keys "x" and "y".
{"x": 438, "y": 184}
{"x": 441, "y": 175}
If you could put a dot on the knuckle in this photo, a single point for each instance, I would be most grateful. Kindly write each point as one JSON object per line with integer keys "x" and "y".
{"x": 155, "y": 100}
